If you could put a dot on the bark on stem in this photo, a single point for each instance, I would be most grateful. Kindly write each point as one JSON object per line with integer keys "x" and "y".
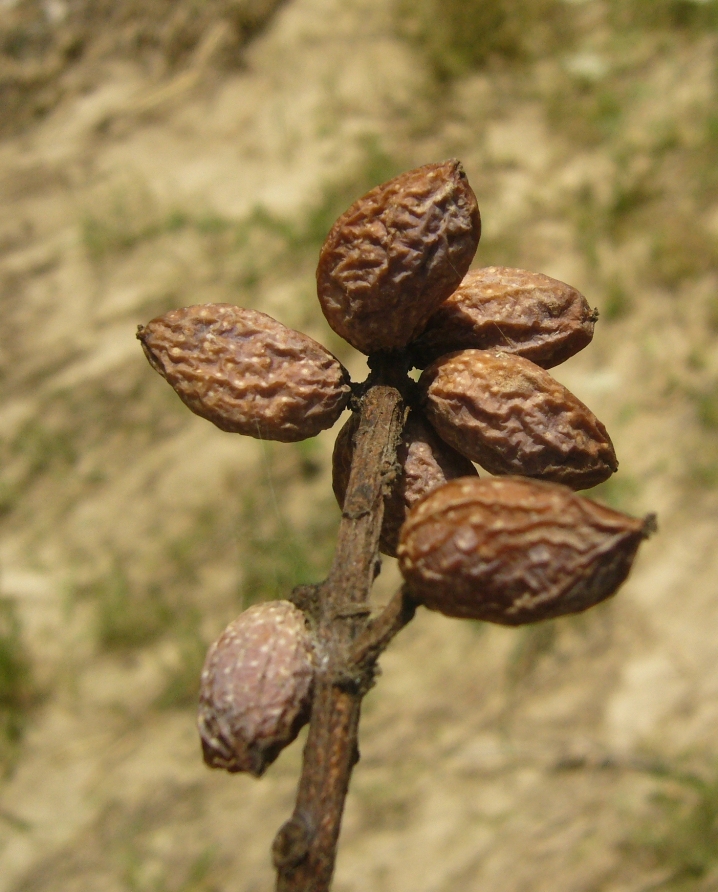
{"x": 304, "y": 850}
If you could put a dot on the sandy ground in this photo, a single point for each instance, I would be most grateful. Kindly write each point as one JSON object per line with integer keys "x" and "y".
{"x": 510, "y": 760}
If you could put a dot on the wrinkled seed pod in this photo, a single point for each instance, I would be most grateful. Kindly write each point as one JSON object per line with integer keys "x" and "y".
{"x": 256, "y": 688}
{"x": 425, "y": 462}
{"x": 246, "y": 372}
{"x": 511, "y": 550}
{"x": 396, "y": 254}
{"x": 513, "y": 310}
{"x": 513, "y": 417}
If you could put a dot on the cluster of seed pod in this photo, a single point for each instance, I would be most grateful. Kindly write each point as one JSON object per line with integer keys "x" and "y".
{"x": 521, "y": 546}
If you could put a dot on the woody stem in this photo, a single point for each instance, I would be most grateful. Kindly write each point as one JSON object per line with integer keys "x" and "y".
{"x": 304, "y": 849}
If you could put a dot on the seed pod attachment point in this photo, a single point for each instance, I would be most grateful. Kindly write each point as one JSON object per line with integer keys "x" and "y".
{"x": 396, "y": 254}
{"x": 512, "y": 551}
{"x": 246, "y": 372}
{"x": 513, "y": 417}
{"x": 256, "y": 688}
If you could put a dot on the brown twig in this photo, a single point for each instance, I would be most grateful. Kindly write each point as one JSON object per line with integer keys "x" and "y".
{"x": 380, "y": 630}
{"x": 304, "y": 850}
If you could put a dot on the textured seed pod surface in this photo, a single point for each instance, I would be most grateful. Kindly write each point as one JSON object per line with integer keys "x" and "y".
{"x": 246, "y": 372}
{"x": 511, "y": 550}
{"x": 425, "y": 462}
{"x": 513, "y": 417}
{"x": 396, "y": 254}
{"x": 513, "y": 310}
{"x": 256, "y": 686}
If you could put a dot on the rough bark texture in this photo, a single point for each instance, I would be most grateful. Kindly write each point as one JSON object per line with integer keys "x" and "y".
{"x": 515, "y": 551}
{"x": 512, "y": 417}
{"x": 246, "y": 372}
{"x": 396, "y": 254}
{"x": 512, "y": 310}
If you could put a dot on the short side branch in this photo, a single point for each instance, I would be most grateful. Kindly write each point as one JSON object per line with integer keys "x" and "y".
{"x": 379, "y": 632}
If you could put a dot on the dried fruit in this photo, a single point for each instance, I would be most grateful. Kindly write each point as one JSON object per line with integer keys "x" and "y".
{"x": 425, "y": 462}
{"x": 515, "y": 551}
{"x": 246, "y": 372}
{"x": 396, "y": 254}
{"x": 512, "y": 310}
{"x": 256, "y": 688}
{"x": 512, "y": 417}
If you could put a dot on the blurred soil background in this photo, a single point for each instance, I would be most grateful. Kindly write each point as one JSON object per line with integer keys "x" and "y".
{"x": 158, "y": 154}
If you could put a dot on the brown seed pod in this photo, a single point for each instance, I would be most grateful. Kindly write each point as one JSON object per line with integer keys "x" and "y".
{"x": 512, "y": 417}
{"x": 256, "y": 688}
{"x": 246, "y": 372}
{"x": 425, "y": 462}
{"x": 512, "y": 310}
{"x": 396, "y": 254}
{"x": 511, "y": 551}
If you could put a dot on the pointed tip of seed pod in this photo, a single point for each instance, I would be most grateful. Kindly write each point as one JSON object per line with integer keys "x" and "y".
{"x": 143, "y": 336}
{"x": 650, "y": 525}
{"x": 259, "y": 760}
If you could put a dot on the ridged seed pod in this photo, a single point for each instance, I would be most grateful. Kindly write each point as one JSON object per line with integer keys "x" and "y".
{"x": 396, "y": 254}
{"x": 513, "y": 417}
{"x": 256, "y": 688}
{"x": 512, "y": 310}
{"x": 512, "y": 551}
{"x": 246, "y": 372}
{"x": 425, "y": 461}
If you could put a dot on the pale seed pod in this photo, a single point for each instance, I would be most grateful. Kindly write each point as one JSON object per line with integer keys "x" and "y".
{"x": 511, "y": 550}
{"x": 396, "y": 254}
{"x": 512, "y": 310}
{"x": 246, "y": 372}
{"x": 256, "y": 688}
{"x": 513, "y": 417}
{"x": 424, "y": 460}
